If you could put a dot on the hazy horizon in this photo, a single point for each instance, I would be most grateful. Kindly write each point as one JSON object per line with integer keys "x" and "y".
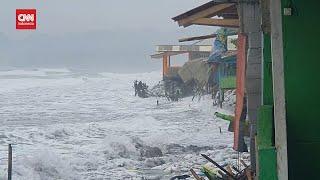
{"x": 103, "y": 35}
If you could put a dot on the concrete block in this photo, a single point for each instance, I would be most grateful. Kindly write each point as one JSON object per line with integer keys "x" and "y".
{"x": 254, "y": 70}
{"x": 252, "y": 115}
{"x": 254, "y": 101}
{"x": 254, "y": 55}
{"x": 254, "y": 86}
{"x": 255, "y": 39}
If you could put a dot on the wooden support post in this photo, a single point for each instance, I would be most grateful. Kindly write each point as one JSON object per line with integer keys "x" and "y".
{"x": 9, "y": 162}
{"x": 164, "y": 65}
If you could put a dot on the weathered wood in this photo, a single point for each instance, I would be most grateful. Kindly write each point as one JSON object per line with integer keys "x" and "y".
{"x": 165, "y": 65}
{"x": 184, "y": 48}
{"x": 220, "y": 167}
{"x": 280, "y": 123}
{"x": 9, "y": 162}
{"x": 236, "y": 169}
{"x": 210, "y": 12}
{"x": 217, "y": 22}
{"x": 160, "y": 55}
{"x": 244, "y": 164}
{"x": 195, "y": 175}
{"x": 248, "y": 174}
{"x": 198, "y": 38}
{"x": 230, "y": 170}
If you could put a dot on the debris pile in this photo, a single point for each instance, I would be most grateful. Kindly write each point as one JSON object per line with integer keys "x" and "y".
{"x": 140, "y": 89}
{"x": 218, "y": 172}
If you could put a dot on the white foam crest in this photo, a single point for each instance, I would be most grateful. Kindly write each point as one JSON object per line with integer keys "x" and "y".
{"x": 44, "y": 165}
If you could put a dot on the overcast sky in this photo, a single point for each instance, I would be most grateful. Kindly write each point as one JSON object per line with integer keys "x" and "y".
{"x": 103, "y": 34}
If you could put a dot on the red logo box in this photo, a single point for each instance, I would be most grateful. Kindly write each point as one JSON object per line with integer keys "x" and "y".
{"x": 26, "y": 19}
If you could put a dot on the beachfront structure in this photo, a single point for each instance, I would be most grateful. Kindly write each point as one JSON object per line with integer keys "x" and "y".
{"x": 225, "y": 14}
{"x": 287, "y": 126}
{"x": 289, "y": 37}
{"x": 223, "y": 66}
{"x": 165, "y": 52}
{"x": 248, "y": 73}
{"x": 283, "y": 98}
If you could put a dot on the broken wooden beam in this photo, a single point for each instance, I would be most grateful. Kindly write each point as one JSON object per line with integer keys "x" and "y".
{"x": 198, "y": 38}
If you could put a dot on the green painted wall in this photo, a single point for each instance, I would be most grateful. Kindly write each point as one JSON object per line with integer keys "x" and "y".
{"x": 265, "y": 127}
{"x": 302, "y": 87}
{"x": 267, "y": 71}
{"x": 228, "y": 82}
{"x": 267, "y": 159}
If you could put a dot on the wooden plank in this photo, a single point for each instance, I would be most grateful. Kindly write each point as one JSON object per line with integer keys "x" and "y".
{"x": 198, "y": 38}
{"x": 217, "y": 22}
{"x": 183, "y": 48}
{"x": 210, "y": 12}
{"x": 195, "y": 175}
{"x": 157, "y": 56}
{"x": 278, "y": 89}
{"x": 160, "y": 55}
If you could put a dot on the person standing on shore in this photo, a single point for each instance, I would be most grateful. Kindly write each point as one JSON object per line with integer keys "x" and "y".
{"x": 135, "y": 85}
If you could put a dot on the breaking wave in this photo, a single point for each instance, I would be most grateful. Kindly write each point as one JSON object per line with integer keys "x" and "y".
{"x": 66, "y": 125}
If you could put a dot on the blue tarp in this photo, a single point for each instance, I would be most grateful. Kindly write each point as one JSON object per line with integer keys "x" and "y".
{"x": 220, "y": 44}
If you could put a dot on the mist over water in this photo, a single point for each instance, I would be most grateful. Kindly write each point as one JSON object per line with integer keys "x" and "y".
{"x": 66, "y": 124}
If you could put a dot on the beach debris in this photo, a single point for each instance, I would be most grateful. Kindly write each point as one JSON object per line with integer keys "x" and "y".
{"x": 227, "y": 172}
{"x": 140, "y": 89}
{"x": 195, "y": 175}
{"x": 180, "y": 177}
{"x": 210, "y": 172}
